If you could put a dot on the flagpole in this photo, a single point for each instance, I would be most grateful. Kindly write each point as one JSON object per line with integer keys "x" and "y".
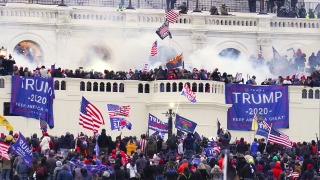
{"x": 268, "y": 137}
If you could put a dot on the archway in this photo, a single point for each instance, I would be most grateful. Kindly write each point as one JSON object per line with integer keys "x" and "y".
{"x": 230, "y": 53}
{"x": 28, "y": 51}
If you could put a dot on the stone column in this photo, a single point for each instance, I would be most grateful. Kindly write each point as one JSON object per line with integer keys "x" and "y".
{"x": 265, "y": 42}
{"x": 264, "y": 36}
{"x": 63, "y": 34}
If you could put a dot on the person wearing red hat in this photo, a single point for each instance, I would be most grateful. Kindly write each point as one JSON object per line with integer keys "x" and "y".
{"x": 276, "y": 170}
{"x": 216, "y": 75}
{"x": 309, "y": 173}
{"x": 45, "y": 143}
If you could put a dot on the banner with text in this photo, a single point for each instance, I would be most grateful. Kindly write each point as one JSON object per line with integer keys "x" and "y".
{"x": 22, "y": 149}
{"x": 269, "y": 101}
{"x": 185, "y": 125}
{"x": 32, "y": 97}
{"x": 157, "y": 125}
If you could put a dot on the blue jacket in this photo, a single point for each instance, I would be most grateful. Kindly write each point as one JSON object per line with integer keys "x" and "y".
{"x": 254, "y": 148}
{"x": 64, "y": 175}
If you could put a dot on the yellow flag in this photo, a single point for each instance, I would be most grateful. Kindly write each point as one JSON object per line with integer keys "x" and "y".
{"x": 4, "y": 122}
{"x": 254, "y": 125}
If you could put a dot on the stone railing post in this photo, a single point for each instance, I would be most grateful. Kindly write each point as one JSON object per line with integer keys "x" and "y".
{"x": 73, "y": 86}
{"x": 131, "y": 88}
{"x": 264, "y": 39}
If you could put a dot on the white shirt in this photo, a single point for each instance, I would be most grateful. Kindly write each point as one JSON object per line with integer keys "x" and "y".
{"x": 132, "y": 170}
{"x": 180, "y": 148}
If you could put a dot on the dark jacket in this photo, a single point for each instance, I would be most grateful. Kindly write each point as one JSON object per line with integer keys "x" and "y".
{"x": 67, "y": 142}
{"x": 188, "y": 142}
{"x": 308, "y": 175}
{"x": 120, "y": 174}
{"x": 51, "y": 164}
{"x": 103, "y": 141}
{"x": 148, "y": 172}
{"x": 242, "y": 148}
{"x": 246, "y": 171}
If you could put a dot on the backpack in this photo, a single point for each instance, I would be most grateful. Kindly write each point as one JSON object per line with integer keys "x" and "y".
{"x": 84, "y": 143}
{"x": 41, "y": 171}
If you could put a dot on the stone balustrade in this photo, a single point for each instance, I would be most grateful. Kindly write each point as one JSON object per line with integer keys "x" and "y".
{"x": 205, "y": 88}
{"x": 82, "y": 15}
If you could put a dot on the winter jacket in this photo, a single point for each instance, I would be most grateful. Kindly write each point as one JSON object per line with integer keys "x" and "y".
{"x": 103, "y": 141}
{"x": 64, "y": 175}
{"x": 308, "y": 175}
{"x": 45, "y": 143}
{"x": 276, "y": 170}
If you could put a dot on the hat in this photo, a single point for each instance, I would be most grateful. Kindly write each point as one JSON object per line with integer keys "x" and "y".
{"x": 216, "y": 69}
{"x": 260, "y": 167}
{"x": 193, "y": 167}
{"x": 309, "y": 166}
{"x": 45, "y": 134}
{"x": 86, "y": 161}
{"x": 275, "y": 158}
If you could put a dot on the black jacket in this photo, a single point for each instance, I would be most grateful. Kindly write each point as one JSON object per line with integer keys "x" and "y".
{"x": 103, "y": 141}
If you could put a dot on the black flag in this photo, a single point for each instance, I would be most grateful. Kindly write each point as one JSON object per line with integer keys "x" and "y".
{"x": 218, "y": 127}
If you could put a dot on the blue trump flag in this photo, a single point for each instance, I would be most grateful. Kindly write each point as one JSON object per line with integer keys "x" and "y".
{"x": 184, "y": 124}
{"x": 263, "y": 129}
{"x": 32, "y": 97}
{"x": 156, "y": 124}
{"x": 269, "y": 101}
{"x": 119, "y": 124}
{"x": 22, "y": 149}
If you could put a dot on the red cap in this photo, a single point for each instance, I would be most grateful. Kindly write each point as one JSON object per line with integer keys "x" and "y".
{"x": 309, "y": 166}
{"x": 260, "y": 167}
{"x": 288, "y": 77}
{"x": 86, "y": 161}
{"x": 21, "y": 67}
{"x": 192, "y": 167}
{"x": 161, "y": 161}
{"x": 303, "y": 77}
{"x": 216, "y": 69}
{"x": 45, "y": 134}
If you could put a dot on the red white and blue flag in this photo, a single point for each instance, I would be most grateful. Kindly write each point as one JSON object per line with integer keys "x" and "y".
{"x": 43, "y": 125}
{"x": 172, "y": 16}
{"x": 278, "y": 137}
{"x": 119, "y": 124}
{"x": 154, "y": 49}
{"x": 186, "y": 91}
{"x": 115, "y": 110}
{"x": 4, "y": 148}
{"x": 90, "y": 116}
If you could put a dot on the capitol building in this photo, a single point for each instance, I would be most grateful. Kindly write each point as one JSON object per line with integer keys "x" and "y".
{"x": 96, "y": 35}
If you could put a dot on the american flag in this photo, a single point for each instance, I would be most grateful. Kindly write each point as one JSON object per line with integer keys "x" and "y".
{"x": 115, "y": 110}
{"x": 172, "y": 16}
{"x": 278, "y": 137}
{"x": 4, "y": 148}
{"x": 90, "y": 116}
{"x": 295, "y": 176}
{"x": 154, "y": 49}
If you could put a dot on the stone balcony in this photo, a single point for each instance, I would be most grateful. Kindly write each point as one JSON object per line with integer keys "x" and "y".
{"x": 149, "y": 18}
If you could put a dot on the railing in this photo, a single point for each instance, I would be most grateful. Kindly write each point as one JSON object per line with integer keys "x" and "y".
{"x": 295, "y": 23}
{"x": 146, "y": 87}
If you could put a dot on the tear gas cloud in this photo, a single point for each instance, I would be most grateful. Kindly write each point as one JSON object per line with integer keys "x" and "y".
{"x": 132, "y": 52}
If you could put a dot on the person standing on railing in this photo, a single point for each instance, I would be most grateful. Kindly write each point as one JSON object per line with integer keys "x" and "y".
{"x": 252, "y": 5}
{"x": 170, "y": 4}
{"x": 183, "y": 8}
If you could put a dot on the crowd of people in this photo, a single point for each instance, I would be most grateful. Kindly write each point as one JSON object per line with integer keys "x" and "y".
{"x": 185, "y": 157}
{"x": 280, "y": 66}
